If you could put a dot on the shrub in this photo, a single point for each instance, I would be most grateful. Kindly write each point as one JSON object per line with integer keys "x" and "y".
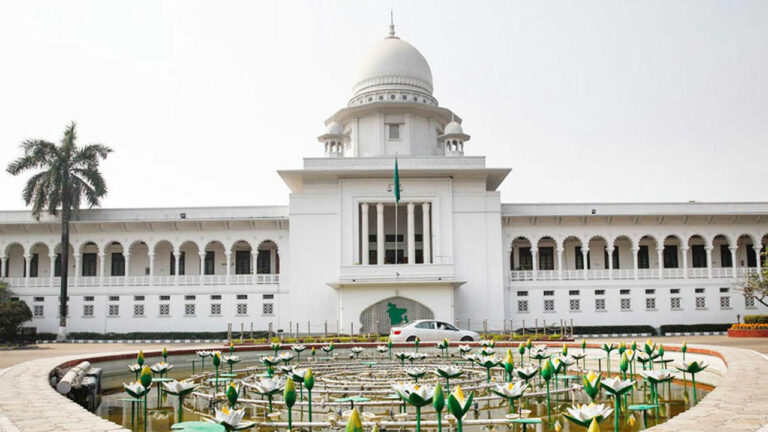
{"x": 555, "y": 336}
{"x": 691, "y": 328}
{"x": 760, "y": 326}
{"x": 383, "y": 338}
{"x": 619, "y": 329}
{"x": 755, "y": 319}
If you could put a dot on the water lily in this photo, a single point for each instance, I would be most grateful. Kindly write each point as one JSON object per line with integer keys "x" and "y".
{"x": 232, "y": 420}
{"x": 298, "y": 349}
{"x": 486, "y": 351}
{"x": 488, "y": 362}
{"x": 684, "y": 349}
{"x": 654, "y": 378}
{"x": 565, "y": 350}
{"x": 579, "y": 356}
{"x": 165, "y": 354}
{"x": 328, "y": 348}
{"x": 511, "y": 392}
{"x": 135, "y": 368}
{"x": 592, "y": 385}
{"x": 458, "y": 405}
{"x": 289, "y": 397}
{"x": 401, "y": 356}
{"x": 179, "y": 389}
{"x": 521, "y": 351}
{"x": 356, "y": 351}
{"x": 448, "y": 372}
{"x": 140, "y": 358}
{"x": 416, "y": 356}
{"x": 527, "y": 372}
{"x": 286, "y": 357}
{"x": 608, "y": 347}
{"x": 643, "y": 358}
{"x": 463, "y": 349}
{"x": 135, "y": 390}
{"x": 233, "y": 392}
{"x": 267, "y": 387}
{"x": 416, "y": 395}
{"x": 584, "y": 414}
{"x": 415, "y": 373}
{"x": 203, "y": 354}
{"x": 617, "y": 388}
{"x": 443, "y": 347}
{"x": 382, "y": 349}
{"x": 161, "y": 368}
{"x": 145, "y": 378}
{"x": 416, "y": 341}
{"x": 231, "y": 347}
{"x": 488, "y": 343}
{"x": 231, "y": 360}
{"x": 692, "y": 368}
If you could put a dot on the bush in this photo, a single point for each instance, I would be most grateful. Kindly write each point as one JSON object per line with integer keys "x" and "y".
{"x": 755, "y": 319}
{"x": 555, "y": 336}
{"x": 692, "y": 328}
{"x": 628, "y": 329}
{"x": 13, "y": 314}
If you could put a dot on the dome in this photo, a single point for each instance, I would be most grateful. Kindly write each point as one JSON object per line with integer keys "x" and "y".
{"x": 453, "y": 128}
{"x": 334, "y": 129}
{"x": 393, "y": 64}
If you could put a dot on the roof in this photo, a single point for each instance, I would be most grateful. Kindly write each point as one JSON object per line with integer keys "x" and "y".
{"x": 633, "y": 209}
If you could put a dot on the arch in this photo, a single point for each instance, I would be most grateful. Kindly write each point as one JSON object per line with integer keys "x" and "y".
{"x": 727, "y": 238}
{"x": 39, "y": 243}
{"x": 213, "y": 242}
{"x": 598, "y": 237}
{"x": 264, "y": 257}
{"x": 7, "y": 248}
{"x": 381, "y": 316}
{"x": 623, "y": 237}
{"x": 241, "y": 240}
{"x": 519, "y": 239}
{"x": 702, "y": 237}
{"x": 751, "y": 237}
{"x": 546, "y": 238}
{"x": 523, "y": 262}
{"x": 160, "y": 242}
{"x": 189, "y": 243}
{"x": 578, "y": 238}
{"x": 87, "y": 244}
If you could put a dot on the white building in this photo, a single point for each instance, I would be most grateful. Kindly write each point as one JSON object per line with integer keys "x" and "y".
{"x": 329, "y": 256}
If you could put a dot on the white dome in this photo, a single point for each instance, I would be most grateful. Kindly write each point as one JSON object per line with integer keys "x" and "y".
{"x": 393, "y": 64}
{"x": 334, "y": 129}
{"x": 453, "y": 128}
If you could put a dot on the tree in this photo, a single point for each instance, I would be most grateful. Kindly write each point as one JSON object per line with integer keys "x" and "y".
{"x": 755, "y": 285}
{"x": 13, "y": 313}
{"x": 66, "y": 175}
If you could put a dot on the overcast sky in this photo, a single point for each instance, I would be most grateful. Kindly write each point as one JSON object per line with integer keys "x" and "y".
{"x": 585, "y": 101}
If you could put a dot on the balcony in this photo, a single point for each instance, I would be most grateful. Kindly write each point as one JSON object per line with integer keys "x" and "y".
{"x": 626, "y": 274}
{"x": 134, "y": 281}
{"x": 411, "y": 272}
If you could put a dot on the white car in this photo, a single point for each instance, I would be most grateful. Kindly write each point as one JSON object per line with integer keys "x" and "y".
{"x": 431, "y": 331}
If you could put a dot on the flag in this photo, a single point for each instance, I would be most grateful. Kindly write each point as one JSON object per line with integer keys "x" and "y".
{"x": 396, "y": 181}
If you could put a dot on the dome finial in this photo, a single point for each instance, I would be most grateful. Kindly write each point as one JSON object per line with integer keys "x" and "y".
{"x": 391, "y": 24}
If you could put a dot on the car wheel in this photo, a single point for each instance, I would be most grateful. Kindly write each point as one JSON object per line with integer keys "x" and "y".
{"x": 467, "y": 339}
{"x": 411, "y": 339}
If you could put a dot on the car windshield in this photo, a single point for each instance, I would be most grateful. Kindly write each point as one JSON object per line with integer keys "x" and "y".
{"x": 446, "y": 326}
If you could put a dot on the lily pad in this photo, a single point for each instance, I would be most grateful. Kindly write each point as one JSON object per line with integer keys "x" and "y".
{"x": 198, "y": 426}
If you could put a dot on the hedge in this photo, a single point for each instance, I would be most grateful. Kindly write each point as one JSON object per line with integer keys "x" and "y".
{"x": 755, "y": 319}
{"x": 611, "y": 330}
{"x": 692, "y": 328}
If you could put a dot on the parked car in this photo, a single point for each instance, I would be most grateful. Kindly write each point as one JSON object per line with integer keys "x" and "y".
{"x": 431, "y": 331}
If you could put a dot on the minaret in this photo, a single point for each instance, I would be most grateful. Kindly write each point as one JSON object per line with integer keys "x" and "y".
{"x": 453, "y": 139}
{"x": 333, "y": 139}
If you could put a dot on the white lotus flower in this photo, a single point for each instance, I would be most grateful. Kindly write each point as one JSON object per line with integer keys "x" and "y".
{"x": 616, "y": 386}
{"x": 511, "y": 390}
{"x": 179, "y": 387}
{"x": 487, "y": 351}
{"x": 161, "y": 367}
{"x": 230, "y": 359}
{"x": 415, "y": 372}
{"x": 357, "y": 349}
{"x": 134, "y": 367}
{"x": 448, "y": 371}
{"x": 270, "y": 360}
{"x": 582, "y": 414}
{"x": 286, "y": 356}
{"x": 298, "y": 347}
{"x": 231, "y": 419}
{"x": 267, "y": 386}
{"x": 465, "y": 348}
{"x": 415, "y": 394}
{"x": 657, "y": 376}
{"x": 135, "y": 390}
{"x": 382, "y": 348}
{"x": 416, "y": 356}
{"x": 204, "y": 353}
{"x": 578, "y": 355}
{"x": 567, "y": 360}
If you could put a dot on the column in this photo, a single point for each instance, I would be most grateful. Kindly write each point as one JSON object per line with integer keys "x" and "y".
{"x": 380, "y": 233}
{"x": 127, "y": 267}
{"x": 709, "y": 261}
{"x": 2, "y": 262}
{"x": 151, "y": 269}
{"x": 426, "y": 233}
{"x": 635, "y": 251}
{"x": 228, "y": 254}
{"x": 757, "y": 258}
{"x": 560, "y": 263}
{"x": 78, "y": 259}
{"x": 53, "y": 266}
{"x": 364, "y": 233}
{"x": 101, "y": 267}
{"x": 255, "y": 258}
{"x": 685, "y": 262}
{"x": 585, "y": 254}
{"x": 177, "y": 258}
{"x": 535, "y": 262}
{"x": 609, "y": 250}
{"x": 733, "y": 260}
{"x": 202, "y": 267}
{"x": 660, "y": 257}
{"x": 28, "y": 264}
{"x": 411, "y": 235}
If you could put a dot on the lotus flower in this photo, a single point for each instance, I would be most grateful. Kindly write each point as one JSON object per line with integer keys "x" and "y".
{"x": 692, "y": 368}
{"x": 616, "y": 386}
{"x": 464, "y": 349}
{"x": 135, "y": 390}
{"x": 298, "y": 347}
{"x": 233, "y": 391}
{"x": 286, "y": 357}
{"x": 565, "y": 350}
{"x": 458, "y": 405}
{"x": 487, "y": 351}
{"x": 135, "y": 368}
{"x": 438, "y": 403}
{"x": 267, "y": 387}
{"x": 357, "y": 350}
{"x": 161, "y": 368}
{"x": 584, "y": 414}
{"x": 527, "y": 372}
{"x": 448, "y": 372}
{"x": 401, "y": 356}
{"x": 546, "y": 374}
{"x": 592, "y": 385}
{"x": 165, "y": 354}
{"x": 382, "y": 349}
{"x": 416, "y": 356}
{"x": 511, "y": 392}
{"x": 328, "y": 348}
{"x": 140, "y": 358}
{"x": 657, "y": 376}
{"x": 415, "y": 373}
{"x": 231, "y": 359}
{"x": 232, "y": 420}
{"x": 179, "y": 387}
{"x": 275, "y": 347}
{"x": 488, "y": 343}
{"x": 204, "y": 354}
{"x": 289, "y": 397}
{"x": 270, "y": 360}
{"x": 415, "y": 394}
{"x": 488, "y": 362}
{"x": 539, "y": 353}
{"x": 509, "y": 366}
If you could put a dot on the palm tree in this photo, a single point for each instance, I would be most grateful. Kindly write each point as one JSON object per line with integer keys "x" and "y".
{"x": 65, "y": 175}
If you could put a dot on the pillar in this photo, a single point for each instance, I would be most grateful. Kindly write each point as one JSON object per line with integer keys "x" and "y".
{"x": 560, "y": 263}
{"x": 2, "y": 263}
{"x": 635, "y": 251}
{"x": 709, "y": 261}
{"x": 78, "y": 262}
{"x": 52, "y": 256}
{"x": 177, "y": 258}
{"x": 380, "y": 233}
{"x": 660, "y": 257}
{"x": 585, "y": 254}
{"x": 535, "y": 261}
{"x": 102, "y": 260}
{"x": 609, "y": 250}
{"x": 411, "y": 235}
{"x": 228, "y": 255}
{"x": 28, "y": 264}
{"x": 757, "y": 259}
{"x": 151, "y": 269}
{"x": 426, "y": 233}
{"x": 364, "y": 233}
{"x": 684, "y": 251}
{"x": 733, "y": 260}
{"x": 127, "y": 257}
{"x": 255, "y": 258}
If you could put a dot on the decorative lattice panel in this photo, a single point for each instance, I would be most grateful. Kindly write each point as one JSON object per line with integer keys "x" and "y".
{"x": 392, "y": 312}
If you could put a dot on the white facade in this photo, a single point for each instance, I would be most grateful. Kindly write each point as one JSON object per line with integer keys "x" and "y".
{"x": 328, "y": 258}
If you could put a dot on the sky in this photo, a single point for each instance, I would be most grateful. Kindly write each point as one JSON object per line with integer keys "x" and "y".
{"x": 586, "y": 101}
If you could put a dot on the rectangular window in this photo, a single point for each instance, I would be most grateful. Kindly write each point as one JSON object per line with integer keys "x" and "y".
{"x": 574, "y": 292}
{"x": 522, "y": 305}
{"x": 210, "y": 259}
{"x": 575, "y": 305}
{"x": 549, "y": 305}
{"x": 674, "y": 291}
{"x": 118, "y": 264}
{"x": 751, "y": 258}
{"x": 138, "y": 298}
{"x": 242, "y": 308}
{"x": 650, "y": 303}
{"x": 599, "y": 292}
{"x": 549, "y": 293}
{"x": 165, "y": 298}
{"x": 243, "y": 262}
{"x": 701, "y": 302}
{"x": 38, "y": 311}
{"x": 38, "y": 299}
{"x": 626, "y": 304}
{"x": 57, "y": 266}
{"x": 242, "y": 296}
{"x": 579, "y": 258}
{"x": 698, "y": 256}
{"x": 189, "y": 297}
{"x": 114, "y": 310}
{"x": 165, "y": 310}
{"x": 390, "y": 238}
{"x": 88, "y": 298}
{"x": 624, "y": 292}
{"x": 215, "y": 308}
{"x": 89, "y": 264}
{"x": 88, "y": 310}
{"x": 216, "y": 297}
{"x": 33, "y": 266}
{"x": 643, "y": 261}
{"x": 393, "y": 131}
{"x": 114, "y": 298}
{"x": 675, "y": 303}
{"x": 599, "y": 304}
{"x": 522, "y": 293}
{"x": 616, "y": 257}
{"x": 699, "y": 290}
{"x": 749, "y": 302}
{"x": 670, "y": 256}
{"x": 526, "y": 259}
{"x": 725, "y": 302}
{"x": 267, "y": 309}
{"x": 138, "y": 310}
{"x": 546, "y": 258}
{"x": 189, "y": 309}
{"x": 650, "y": 291}
{"x": 181, "y": 263}
{"x": 725, "y": 256}
{"x": 389, "y": 256}
{"x": 267, "y": 296}
{"x": 724, "y": 290}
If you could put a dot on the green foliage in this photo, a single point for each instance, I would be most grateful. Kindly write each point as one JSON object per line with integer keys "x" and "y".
{"x": 555, "y": 336}
{"x": 755, "y": 319}
{"x": 13, "y": 313}
{"x": 691, "y": 328}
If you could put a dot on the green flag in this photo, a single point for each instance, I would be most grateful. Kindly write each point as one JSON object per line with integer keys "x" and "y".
{"x": 396, "y": 180}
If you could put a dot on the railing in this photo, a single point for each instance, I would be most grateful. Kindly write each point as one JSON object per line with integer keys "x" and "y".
{"x": 164, "y": 280}
{"x": 626, "y": 274}
{"x": 673, "y": 273}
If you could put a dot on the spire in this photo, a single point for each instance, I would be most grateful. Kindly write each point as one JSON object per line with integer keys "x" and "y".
{"x": 391, "y": 24}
